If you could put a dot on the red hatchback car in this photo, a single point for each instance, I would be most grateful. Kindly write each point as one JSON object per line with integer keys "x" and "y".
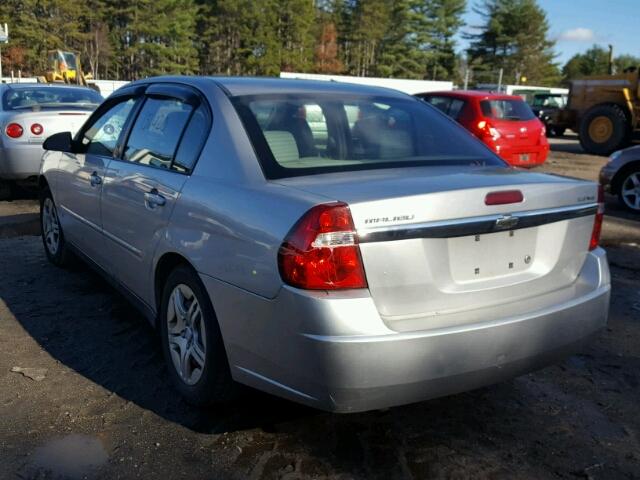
{"x": 504, "y": 122}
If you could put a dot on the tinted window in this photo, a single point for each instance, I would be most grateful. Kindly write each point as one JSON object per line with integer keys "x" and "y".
{"x": 361, "y": 133}
{"x": 50, "y": 98}
{"x": 193, "y": 140}
{"x": 156, "y": 132}
{"x": 448, "y": 105}
{"x": 441, "y": 103}
{"x": 455, "y": 108}
{"x": 102, "y": 137}
{"x": 506, "y": 110}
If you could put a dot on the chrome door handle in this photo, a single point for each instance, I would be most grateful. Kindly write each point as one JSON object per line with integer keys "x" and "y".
{"x": 95, "y": 179}
{"x": 154, "y": 199}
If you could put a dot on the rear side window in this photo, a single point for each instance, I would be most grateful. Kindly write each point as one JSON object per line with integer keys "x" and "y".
{"x": 192, "y": 140}
{"x": 157, "y": 131}
{"x": 448, "y": 105}
{"x": 506, "y": 110}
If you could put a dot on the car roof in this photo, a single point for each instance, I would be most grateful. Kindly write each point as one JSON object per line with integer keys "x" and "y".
{"x": 239, "y": 86}
{"x": 478, "y": 94}
{"x": 20, "y": 86}
{"x": 257, "y": 85}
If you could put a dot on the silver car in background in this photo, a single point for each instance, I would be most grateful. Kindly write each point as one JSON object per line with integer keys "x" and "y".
{"x": 29, "y": 113}
{"x": 346, "y": 247}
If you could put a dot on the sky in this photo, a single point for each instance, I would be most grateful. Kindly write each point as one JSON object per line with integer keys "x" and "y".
{"x": 578, "y": 24}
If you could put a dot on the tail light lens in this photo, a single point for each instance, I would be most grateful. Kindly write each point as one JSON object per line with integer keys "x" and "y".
{"x": 504, "y": 197}
{"x": 485, "y": 129}
{"x": 14, "y": 130}
{"x": 37, "y": 129}
{"x": 321, "y": 251}
{"x": 597, "y": 223}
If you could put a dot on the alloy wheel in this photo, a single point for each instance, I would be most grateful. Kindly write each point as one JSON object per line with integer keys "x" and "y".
{"x": 630, "y": 191}
{"x": 50, "y": 226}
{"x": 187, "y": 334}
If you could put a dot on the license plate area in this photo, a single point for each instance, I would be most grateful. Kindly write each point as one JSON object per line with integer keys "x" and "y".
{"x": 524, "y": 157}
{"x": 483, "y": 257}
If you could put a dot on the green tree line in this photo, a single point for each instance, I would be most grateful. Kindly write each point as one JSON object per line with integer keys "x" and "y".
{"x": 130, "y": 39}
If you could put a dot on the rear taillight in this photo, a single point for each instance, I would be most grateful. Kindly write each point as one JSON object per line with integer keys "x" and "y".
{"x": 321, "y": 251}
{"x": 485, "y": 129}
{"x": 543, "y": 131}
{"x": 14, "y": 130}
{"x": 37, "y": 129}
{"x": 597, "y": 223}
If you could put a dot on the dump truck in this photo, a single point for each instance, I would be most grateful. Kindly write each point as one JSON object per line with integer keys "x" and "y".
{"x": 604, "y": 110}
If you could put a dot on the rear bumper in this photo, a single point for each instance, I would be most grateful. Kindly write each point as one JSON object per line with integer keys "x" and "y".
{"x": 20, "y": 161}
{"x": 537, "y": 155}
{"x": 335, "y": 353}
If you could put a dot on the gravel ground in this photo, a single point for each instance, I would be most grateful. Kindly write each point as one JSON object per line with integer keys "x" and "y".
{"x": 84, "y": 393}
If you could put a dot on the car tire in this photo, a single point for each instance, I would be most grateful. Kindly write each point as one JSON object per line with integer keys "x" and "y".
{"x": 192, "y": 343}
{"x": 55, "y": 246}
{"x": 604, "y": 129}
{"x": 629, "y": 190}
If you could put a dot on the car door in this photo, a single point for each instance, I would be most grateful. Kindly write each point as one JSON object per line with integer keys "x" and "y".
{"x": 144, "y": 181}
{"x": 81, "y": 177}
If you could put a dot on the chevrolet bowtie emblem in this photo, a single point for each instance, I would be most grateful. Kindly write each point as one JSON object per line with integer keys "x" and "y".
{"x": 506, "y": 221}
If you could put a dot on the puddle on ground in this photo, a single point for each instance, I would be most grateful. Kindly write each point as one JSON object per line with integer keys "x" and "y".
{"x": 70, "y": 457}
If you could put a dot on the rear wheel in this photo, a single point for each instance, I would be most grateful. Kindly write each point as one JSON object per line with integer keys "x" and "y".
{"x": 604, "y": 129}
{"x": 192, "y": 342}
{"x": 53, "y": 240}
{"x": 629, "y": 194}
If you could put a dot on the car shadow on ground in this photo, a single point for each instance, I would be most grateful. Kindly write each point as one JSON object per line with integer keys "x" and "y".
{"x": 80, "y": 321}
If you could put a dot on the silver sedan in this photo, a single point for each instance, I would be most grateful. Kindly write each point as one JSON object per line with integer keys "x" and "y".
{"x": 342, "y": 246}
{"x": 29, "y": 113}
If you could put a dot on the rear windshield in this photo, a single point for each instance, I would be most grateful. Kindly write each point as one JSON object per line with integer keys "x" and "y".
{"x": 506, "y": 110}
{"x": 34, "y": 98}
{"x": 302, "y": 135}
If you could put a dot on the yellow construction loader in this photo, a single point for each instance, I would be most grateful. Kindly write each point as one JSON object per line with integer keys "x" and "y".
{"x": 605, "y": 111}
{"x": 64, "y": 67}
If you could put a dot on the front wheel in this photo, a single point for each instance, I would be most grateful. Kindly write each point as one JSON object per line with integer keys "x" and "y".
{"x": 55, "y": 246}
{"x": 192, "y": 342}
{"x": 629, "y": 195}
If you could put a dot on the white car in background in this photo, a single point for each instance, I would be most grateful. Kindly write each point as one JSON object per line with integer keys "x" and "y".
{"x": 31, "y": 112}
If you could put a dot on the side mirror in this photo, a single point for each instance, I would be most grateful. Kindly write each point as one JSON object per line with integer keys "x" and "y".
{"x": 59, "y": 142}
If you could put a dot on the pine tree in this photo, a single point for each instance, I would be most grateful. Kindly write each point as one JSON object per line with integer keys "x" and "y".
{"x": 443, "y": 21}
{"x": 514, "y": 37}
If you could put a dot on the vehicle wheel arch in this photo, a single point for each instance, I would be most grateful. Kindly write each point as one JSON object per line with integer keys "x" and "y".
{"x": 166, "y": 263}
{"x": 616, "y": 181}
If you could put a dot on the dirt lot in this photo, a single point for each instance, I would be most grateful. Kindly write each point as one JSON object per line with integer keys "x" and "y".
{"x": 94, "y": 400}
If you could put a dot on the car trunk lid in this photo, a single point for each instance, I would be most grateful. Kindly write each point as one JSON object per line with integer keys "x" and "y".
{"x": 432, "y": 247}
{"x": 52, "y": 121}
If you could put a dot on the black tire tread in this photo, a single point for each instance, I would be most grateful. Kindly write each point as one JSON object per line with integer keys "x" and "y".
{"x": 621, "y": 134}
{"x": 216, "y": 384}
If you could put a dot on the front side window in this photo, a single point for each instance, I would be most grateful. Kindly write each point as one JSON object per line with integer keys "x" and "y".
{"x": 298, "y": 135}
{"x": 101, "y": 138}
{"x": 157, "y": 131}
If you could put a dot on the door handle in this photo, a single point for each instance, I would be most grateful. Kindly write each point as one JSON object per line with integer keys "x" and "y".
{"x": 153, "y": 199}
{"x": 95, "y": 179}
